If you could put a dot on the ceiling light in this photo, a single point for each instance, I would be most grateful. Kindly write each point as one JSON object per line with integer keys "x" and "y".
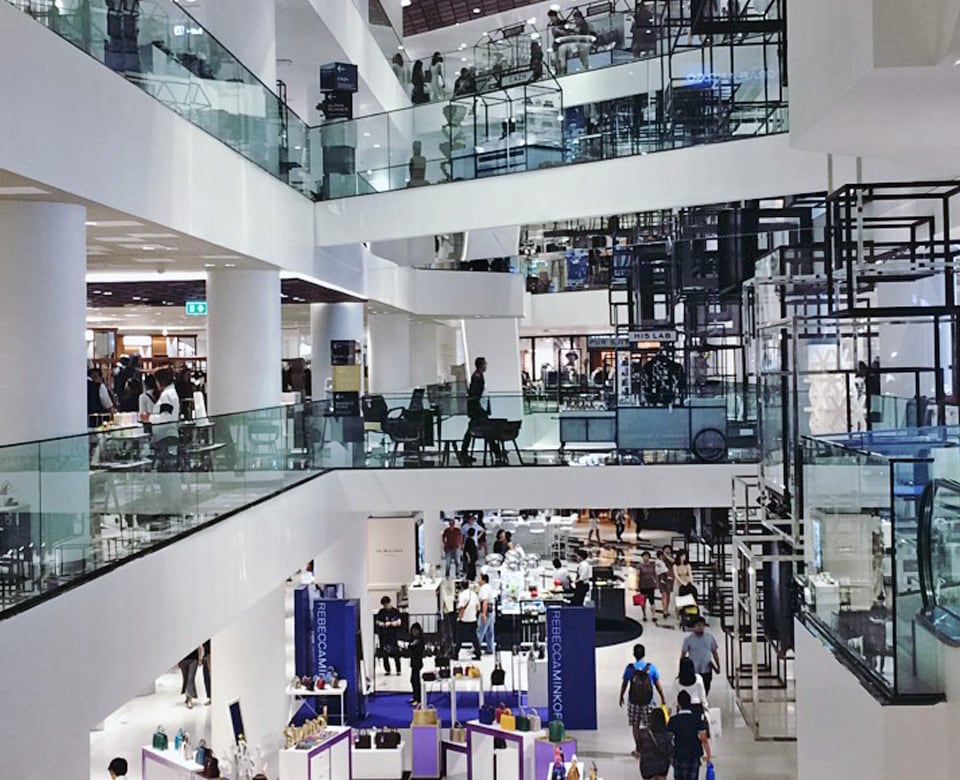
{"x": 219, "y": 257}
{"x": 148, "y": 236}
{"x": 400, "y": 47}
{"x": 476, "y": 10}
{"x": 229, "y": 265}
{"x": 555, "y": 7}
{"x": 152, "y": 260}
{"x": 463, "y": 59}
{"x": 376, "y": 146}
{"x": 116, "y": 223}
{"x": 209, "y": 265}
{"x": 366, "y": 135}
{"x": 405, "y": 3}
{"x": 956, "y": 63}
{"x": 463, "y": 46}
{"x": 22, "y": 191}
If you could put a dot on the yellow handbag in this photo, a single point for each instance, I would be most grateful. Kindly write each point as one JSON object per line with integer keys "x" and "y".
{"x": 425, "y": 716}
{"x": 474, "y": 672}
{"x": 508, "y": 721}
{"x": 458, "y": 733}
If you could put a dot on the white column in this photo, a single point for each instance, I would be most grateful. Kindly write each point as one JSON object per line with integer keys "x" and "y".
{"x": 251, "y": 36}
{"x": 43, "y": 309}
{"x": 331, "y": 322}
{"x": 497, "y": 340}
{"x": 248, "y": 662}
{"x": 244, "y": 333}
{"x": 389, "y": 357}
{"x": 423, "y": 353}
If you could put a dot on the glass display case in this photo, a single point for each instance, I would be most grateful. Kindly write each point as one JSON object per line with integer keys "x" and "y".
{"x": 862, "y": 587}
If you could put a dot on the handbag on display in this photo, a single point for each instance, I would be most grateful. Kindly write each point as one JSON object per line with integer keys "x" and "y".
{"x": 556, "y": 731}
{"x": 211, "y": 766}
{"x": 593, "y": 771}
{"x": 425, "y": 716}
{"x": 387, "y": 739}
{"x": 200, "y": 755}
{"x": 308, "y": 683}
{"x": 508, "y": 721}
{"x": 296, "y": 683}
{"x": 444, "y": 672}
{"x": 574, "y": 772}
{"x": 458, "y": 671}
{"x": 362, "y": 741}
{"x": 488, "y": 714}
{"x": 429, "y": 676}
{"x": 321, "y": 683}
{"x": 160, "y": 739}
{"x": 498, "y": 676}
{"x": 458, "y": 733}
{"x": 523, "y": 721}
{"x": 536, "y": 724}
{"x": 502, "y": 710}
{"x": 473, "y": 672}
{"x": 331, "y": 677}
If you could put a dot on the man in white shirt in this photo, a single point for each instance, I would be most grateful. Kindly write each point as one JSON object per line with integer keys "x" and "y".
{"x": 488, "y": 616}
{"x": 584, "y": 576}
{"x": 166, "y": 438}
{"x": 468, "y": 605}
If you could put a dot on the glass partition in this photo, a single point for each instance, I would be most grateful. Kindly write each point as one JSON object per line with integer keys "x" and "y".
{"x": 862, "y": 583}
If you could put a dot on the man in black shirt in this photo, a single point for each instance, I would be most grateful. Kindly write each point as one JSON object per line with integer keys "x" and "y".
{"x": 690, "y": 742}
{"x": 478, "y": 415}
{"x": 387, "y": 622}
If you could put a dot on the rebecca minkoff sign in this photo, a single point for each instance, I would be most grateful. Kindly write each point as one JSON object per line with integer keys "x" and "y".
{"x": 572, "y": 666}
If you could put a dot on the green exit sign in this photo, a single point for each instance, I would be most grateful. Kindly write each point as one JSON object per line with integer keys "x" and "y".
{"x": 197, "y": 308}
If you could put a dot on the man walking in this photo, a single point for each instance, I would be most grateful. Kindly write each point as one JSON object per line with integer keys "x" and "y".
{"x": 468, "y": 604}
{"x": 641, "y": 678}
{"x": 690, "y": 742}
{"x": 701, "y": 648}
{"x": 478, "y": 416}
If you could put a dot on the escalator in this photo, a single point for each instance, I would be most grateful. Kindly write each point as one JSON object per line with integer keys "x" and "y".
{"x": 938, "y": 547}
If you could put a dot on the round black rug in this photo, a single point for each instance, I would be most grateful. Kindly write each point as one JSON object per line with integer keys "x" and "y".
{"x": 617, "y": 633}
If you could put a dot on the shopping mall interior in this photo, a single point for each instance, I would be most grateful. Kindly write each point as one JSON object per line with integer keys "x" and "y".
{"x": 483, "y": 389}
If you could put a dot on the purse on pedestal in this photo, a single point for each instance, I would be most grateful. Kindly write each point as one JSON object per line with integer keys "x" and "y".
{"x": 160, "y": 739}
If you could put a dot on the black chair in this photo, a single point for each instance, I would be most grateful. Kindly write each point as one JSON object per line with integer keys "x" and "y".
{"x": 499, "y": 431}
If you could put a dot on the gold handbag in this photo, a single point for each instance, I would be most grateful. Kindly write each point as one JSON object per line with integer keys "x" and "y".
{"x": 593, "y": 771}
{"x": 425, "y": 716}
{"x": 574, "y": 772}
{"x": 458, "y": 733}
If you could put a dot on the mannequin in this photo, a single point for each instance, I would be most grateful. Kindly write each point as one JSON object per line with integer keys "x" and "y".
{"x": 663, "y": 381}
{"x": 418, "y": 167}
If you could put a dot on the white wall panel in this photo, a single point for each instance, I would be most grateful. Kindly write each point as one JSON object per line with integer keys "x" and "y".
{"x": 572, "y": 312}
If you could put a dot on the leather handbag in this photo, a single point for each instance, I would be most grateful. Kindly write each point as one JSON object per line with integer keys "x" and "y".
{"x": 458, "y": 733}
{"x": 458, "y": 671}
{"x": 508, "y": 721}
{"x": 473, "y": 672}
{"x": 444, "y": 672}
{"x": 160, "y": 739}
{"x": 523, "y": 722}
{"x": 387, "y": 739}
{"x": 425, "y": 716}
{"x": 502, "y": 710}
{"x": 429, "y": 676}
{"x": 200, "y": 756}
{"x": 488, "y": 714}
{"x": 498, "y": 676}
{"x": 211, "y": 766}
{"x": 536, "y": 724}
{"x": 321, "y": 683}
{"x": 556, "y": 731}
{"x": 363, "y": 741}
{"x": 574, "y": 772}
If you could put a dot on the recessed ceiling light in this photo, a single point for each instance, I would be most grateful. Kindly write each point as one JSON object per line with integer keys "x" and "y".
{"x": 209, "y": 265}
{"x": 463, "y": 59}
{"x": 152, "y": 260}
{"x": 230, "y": 265}
{"x": 534, "y": 36}
{"x": 117, "y": 223}
{"x": 22, "y": 191}
{"x": 366, "y": 135}
{"x": 956, "y": 63}
{"x": 376, "y": 146}
{"x": 400, "y": 47}
{"x": 476, "y": 10}
{"x": 149, "y": 236}
{"x": 219, "y": 257}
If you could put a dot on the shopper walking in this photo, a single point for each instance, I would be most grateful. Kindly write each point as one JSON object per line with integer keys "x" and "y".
{"x": 641, "y": 678}
{"x": 594, "y": 527}
{"x": 478, "y": 416}
{"x": 584, "y": 577}
{"x": 701, "y": 647}
{"x": 488, "y": 616}
{"x": 452, "y": 542}
{"x": 415, "y": 649}
{"x": 688, "y": 680}
{"x": 205, "y": 668}
{"x": 419, "y": 93}
{"x": 438, "y": 89}
{"x": 470, "y": 556}
{"x": 619, "y": 523}
{"x": 665, "y": 578}
{"x": 188, "y": 672}
{"x": 647, "y": 584}
{"x": 656, "y": 747}
{"x": 387, "y": 622}
{"x": 683, "y": 575}
{"x": 468, "y": 605}
{"x": 499, "y": 543}
{"x": 690, "y": 742}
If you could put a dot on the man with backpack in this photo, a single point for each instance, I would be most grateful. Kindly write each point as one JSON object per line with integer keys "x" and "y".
{"x": 641, "y": 677}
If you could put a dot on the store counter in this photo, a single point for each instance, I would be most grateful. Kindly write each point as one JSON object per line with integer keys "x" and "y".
{"x": 375, "y": 763}
{"x": 167, "y": 765}
{"x": 609, "y": 603}
{"x": 424, "y": 599}
{"x": 515, "y": 762}
{"x": 328, "y": 759}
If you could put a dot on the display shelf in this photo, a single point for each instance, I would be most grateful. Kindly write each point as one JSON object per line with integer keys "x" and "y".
{"x": 515, "y": 762}
{"x": 323, "y": 693}
{"x": 331, "y": 759}
{"x": 375, "y": 763}
{"x": 453, "y": 685}
{"x": 167, "y": 765}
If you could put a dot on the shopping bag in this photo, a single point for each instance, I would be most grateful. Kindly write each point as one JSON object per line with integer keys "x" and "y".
{"x": 639, "y": 600}
{"x": 716, "y": 723}
{"x": 711, "y": 773}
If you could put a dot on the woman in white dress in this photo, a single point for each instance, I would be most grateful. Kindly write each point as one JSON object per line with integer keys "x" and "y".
{"x": 437, "y": 87}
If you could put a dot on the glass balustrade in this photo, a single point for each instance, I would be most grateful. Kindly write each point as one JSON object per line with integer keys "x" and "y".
{"x": 723, "y": 86}
{"x": 73, "y": 506}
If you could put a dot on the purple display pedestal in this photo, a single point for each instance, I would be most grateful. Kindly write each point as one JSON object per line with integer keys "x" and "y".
{"x": 543, "y": 754}
{"x": 425, "y": 751}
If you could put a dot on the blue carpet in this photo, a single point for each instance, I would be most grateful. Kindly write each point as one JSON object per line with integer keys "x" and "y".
{"x": 394, "y": 710}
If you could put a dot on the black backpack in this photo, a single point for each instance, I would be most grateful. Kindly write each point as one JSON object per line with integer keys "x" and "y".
{"x": 641, "y": 686}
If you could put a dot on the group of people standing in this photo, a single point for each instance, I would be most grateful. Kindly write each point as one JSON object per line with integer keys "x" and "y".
{"x": 133, "y": 390}
{"x": 670, "y": 574}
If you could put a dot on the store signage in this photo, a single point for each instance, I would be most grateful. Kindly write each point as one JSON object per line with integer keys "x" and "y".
{"x": 302, "y": 638}
{"x": 571, "y": 667}
{"x": 179, "y": 30}
{"x": 608, "y": 342}
{"x": 338, "y": 77}
{"x": 337, "y": 105}
{"x": 346, "y": 404}
{"x": 653, "y": 335}
{"x": 343, "y": 352}
{"x": 612, "y": 341}
{"x": 196, "y": 308}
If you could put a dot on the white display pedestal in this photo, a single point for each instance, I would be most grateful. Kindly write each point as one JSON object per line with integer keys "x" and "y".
{"x": 424, "y": 599}
{"x": 515, "y": 762}
{"x": 321, "y": 693}
{"x": 330, "y": 760}
{"x": 167, "y": 765}
{"x": 537, "y": 683}
{"x": 452, "y": 684}
{"x": 379, "y": 764}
